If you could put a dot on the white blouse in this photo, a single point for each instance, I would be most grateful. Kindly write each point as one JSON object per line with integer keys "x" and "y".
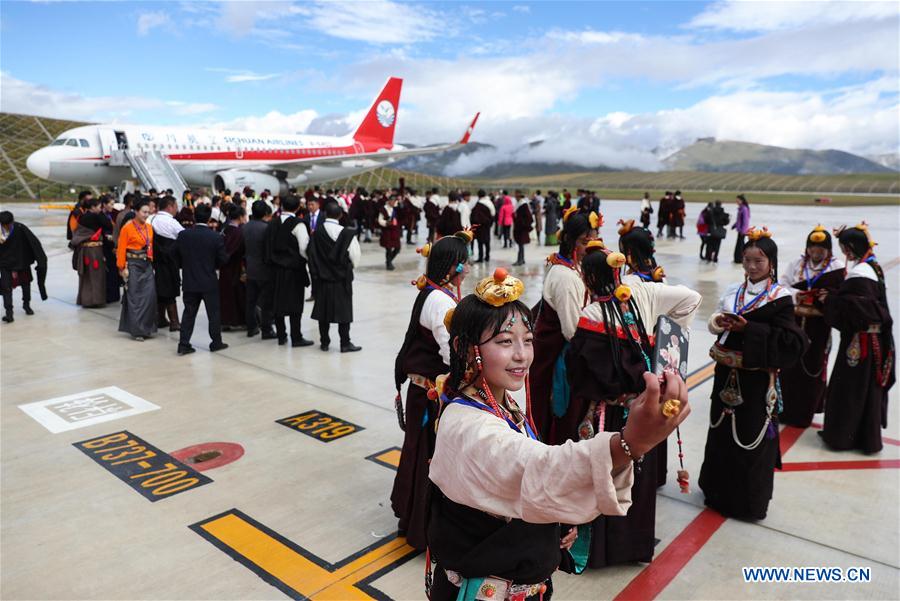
{"x": 480, "y": 462}
{"x": 726, "y": 303}
{"x": 564, "y": 291}
{"x": 432, "y": 317}
{"x": 795, "y": 272}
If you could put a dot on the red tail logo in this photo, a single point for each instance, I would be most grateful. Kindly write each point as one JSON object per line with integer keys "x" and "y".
{"x": 377, "y": 130}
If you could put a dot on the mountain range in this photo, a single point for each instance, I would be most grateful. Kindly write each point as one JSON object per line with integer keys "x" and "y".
{"x": 705, "y": 154}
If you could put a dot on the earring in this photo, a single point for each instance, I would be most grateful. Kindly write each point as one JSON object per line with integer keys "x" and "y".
{"x": 478, "y": 364}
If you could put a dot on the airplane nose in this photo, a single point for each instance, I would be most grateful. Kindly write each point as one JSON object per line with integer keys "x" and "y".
{"x": 39, "y": 164}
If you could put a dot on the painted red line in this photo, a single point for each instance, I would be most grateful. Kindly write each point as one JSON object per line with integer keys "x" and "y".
{"x": 884, "y": 439}
{"x": 657, "y": 576}
{"x": 812, "y": 466}
{"x": 788, "y": 436}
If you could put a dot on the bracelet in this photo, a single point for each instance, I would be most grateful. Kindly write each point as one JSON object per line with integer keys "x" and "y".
{"x": 625, "y": 447}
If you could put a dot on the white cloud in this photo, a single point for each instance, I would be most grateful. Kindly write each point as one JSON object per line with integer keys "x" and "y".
{"x": 148, "y": 21}
{"x": 521, "y": 8}
{"x": 738, "y": 15}
{"x": 271, "y": 122}
{"x": 27, "y": 98}
{"x": 596, "y": 37}
{"x": 243, "y": 75}
{"x": 377, "y": 22}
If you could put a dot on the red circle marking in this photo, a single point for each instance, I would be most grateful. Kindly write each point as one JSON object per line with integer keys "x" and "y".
{"x": 230, "y": 451}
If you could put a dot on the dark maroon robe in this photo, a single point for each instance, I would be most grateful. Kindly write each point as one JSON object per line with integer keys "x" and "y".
{"x": 390, "y": 233}
{"x": 857, "y": 398}
{"x": 548, "y": 345}
{"x": 449, "y": 222}
{"x": 522, "y": 224}
{"x": 482, "y": 218}
{"x": 803, "y": 385}
{"x": 232, "y": 291}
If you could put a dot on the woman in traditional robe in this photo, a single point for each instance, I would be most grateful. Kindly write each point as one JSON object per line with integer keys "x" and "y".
{"x": 88, "y": 259}
{"x": 108, "y": 220}
{"x": 757, "y": 336}
{"x": 523, "y": 223}
{"x": 639, "y": 248}
{"x": 232, "y": 276}
{"x": 556, "y": 317}
{"x": 483, "y": 215}
{"x": 425, "y": 355}
{"x": 803, "y": 385}
{"x": 134, "y": 257}
{"x": 498, "y": 493}
{"x": 389, "y": 222}
{"x": 857, "y": 398}
{"x": 606, "y": 362}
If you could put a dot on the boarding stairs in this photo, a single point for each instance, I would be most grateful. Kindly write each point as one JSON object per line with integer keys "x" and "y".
{"x": 153, "y": 169}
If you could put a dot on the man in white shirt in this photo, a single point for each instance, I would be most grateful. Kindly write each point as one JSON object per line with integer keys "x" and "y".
{"x": 165, "y": 268}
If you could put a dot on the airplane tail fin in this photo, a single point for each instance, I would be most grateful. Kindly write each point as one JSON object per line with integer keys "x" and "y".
{"x": 468, "y": 134}
{"x": 377, "y": 129}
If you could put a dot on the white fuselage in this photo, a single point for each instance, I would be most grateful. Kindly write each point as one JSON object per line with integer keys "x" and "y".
{"x": 82, "y": 155}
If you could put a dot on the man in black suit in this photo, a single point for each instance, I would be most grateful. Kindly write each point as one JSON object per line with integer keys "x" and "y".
{"x": 200, "y": 251}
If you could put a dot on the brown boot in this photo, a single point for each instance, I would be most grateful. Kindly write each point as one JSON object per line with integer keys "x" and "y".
{"x": 161, "y": 321}
{"x": 174, "y": 324}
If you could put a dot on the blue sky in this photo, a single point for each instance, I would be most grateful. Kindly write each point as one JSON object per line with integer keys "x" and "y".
{"x": 601, "y": 80}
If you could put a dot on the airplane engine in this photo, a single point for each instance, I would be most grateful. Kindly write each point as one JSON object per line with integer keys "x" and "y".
{"x": 236, "y": 181}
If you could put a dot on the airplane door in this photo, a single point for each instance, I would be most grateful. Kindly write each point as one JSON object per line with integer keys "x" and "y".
{"x": 239, "y": 152}
{"x": 107, "y": 141}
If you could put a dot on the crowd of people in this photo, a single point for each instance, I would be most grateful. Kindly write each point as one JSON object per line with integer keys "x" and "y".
{"x": 501, "y": 497}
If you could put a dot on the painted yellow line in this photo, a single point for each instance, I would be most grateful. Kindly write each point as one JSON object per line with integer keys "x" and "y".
{"x": 392, "y": 457}
{"x": 701, "y": 375}
{"x": 59, "y": 206}
{"x": 294, "y": 570}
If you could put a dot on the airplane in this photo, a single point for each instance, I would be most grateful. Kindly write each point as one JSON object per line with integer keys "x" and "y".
{"x": 103, "y": 155}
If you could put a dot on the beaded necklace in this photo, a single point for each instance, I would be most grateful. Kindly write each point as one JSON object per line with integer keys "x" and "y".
{"x": 811, "y": 281}
{"x": 739, "y": 298}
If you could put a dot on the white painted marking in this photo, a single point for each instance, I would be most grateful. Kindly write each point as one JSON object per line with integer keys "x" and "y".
{"x": 88, "y": 408}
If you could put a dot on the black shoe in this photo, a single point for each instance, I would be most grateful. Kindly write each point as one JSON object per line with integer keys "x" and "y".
{"x": 8, "y": 318}
{"x": 323, "y": 346}
{"x": 221, "y": 346}
{"x": 185, "y": 350}
{"x": 350, "y": 348}
{"x": 390, "y": 267}
{"x": 269, "y": 335}
{"x": 252, "y": 333}
{"x": 28, "y": 309}
{"x": 282, "y": 341}
{"x": 302, "y": 342}
{"x": 478, "y": 261}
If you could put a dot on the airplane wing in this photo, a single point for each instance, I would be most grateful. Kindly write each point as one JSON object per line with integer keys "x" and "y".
{"x": 367, "y": 159}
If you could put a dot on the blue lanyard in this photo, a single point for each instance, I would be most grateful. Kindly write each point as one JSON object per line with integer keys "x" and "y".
{"x": 644, "y": 276}
{"x": 472, "y": 403}
{"x": 752, "y": 303}
{"x": 444, "y": 290}
{"x": 568, "y": 262}
{"x": 810, "y": 282}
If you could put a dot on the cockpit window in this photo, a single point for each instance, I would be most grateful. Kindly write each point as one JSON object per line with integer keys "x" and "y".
{"x": 84, "y": 143}
{"x": 59, "y": 142}
{"x": 72, "y": 142}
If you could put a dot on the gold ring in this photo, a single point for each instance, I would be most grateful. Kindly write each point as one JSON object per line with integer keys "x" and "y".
{"x": 671, "y": 407}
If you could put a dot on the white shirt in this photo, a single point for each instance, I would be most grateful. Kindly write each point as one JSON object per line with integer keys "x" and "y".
{"x": 433, "y": 312}
{"x": 480, "y": 462}
{"x": 485, "y": 201}
{"x": 464, "y": 212}
{"x": 334, "y": 229}
{"x": 794, "y": 274}
{"x": 861, "y": 269}
{"x": 653, "y": 299}
{"x": 165, "y": 225}
{"x": 564, "y": 291}
{"x": 299, "y": 233}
